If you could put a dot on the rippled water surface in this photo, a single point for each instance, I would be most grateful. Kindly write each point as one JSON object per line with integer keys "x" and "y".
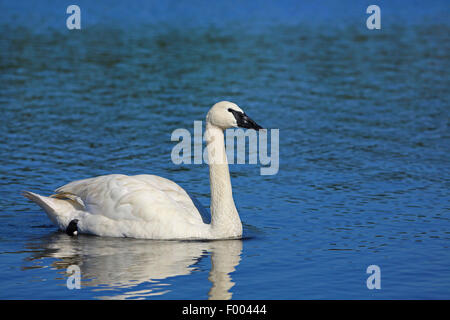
{"x": 364, "y": 139}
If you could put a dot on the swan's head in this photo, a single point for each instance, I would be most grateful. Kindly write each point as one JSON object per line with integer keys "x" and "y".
{"x": 227, "y": 114}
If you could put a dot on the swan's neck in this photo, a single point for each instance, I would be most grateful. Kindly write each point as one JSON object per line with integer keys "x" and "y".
{"x": 225, "y": 221}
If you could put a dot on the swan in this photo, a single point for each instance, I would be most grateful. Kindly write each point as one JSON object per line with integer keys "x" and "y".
{"x": 152, "y": 207}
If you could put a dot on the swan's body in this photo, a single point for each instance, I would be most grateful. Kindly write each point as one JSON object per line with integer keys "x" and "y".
{"x": 152, "y": 207}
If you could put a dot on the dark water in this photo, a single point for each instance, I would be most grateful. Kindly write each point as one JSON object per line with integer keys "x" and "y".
{"x": 364, "y": 139}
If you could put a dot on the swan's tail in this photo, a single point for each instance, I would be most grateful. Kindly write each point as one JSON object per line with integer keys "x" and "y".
{"x": 55, "y": 208}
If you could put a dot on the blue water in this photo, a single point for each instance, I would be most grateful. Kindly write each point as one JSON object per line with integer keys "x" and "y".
{"x": 364, "y": 144}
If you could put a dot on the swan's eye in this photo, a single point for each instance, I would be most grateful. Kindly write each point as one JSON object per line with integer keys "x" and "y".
{"x": 234, "y": 112}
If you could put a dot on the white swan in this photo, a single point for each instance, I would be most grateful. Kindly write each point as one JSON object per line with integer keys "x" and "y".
{"x": 152, "y": 207}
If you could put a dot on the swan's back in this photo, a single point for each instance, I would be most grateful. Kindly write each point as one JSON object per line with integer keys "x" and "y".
{"x": 122, "y": 205}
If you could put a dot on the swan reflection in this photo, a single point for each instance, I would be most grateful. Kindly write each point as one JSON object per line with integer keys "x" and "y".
{"x": 117, "y": 263}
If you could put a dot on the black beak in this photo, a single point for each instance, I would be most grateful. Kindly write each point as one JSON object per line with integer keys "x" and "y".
{"x": 244, "y": 121}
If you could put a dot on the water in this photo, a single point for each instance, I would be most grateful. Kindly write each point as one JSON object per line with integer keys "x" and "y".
{"x": 364, "y": 140}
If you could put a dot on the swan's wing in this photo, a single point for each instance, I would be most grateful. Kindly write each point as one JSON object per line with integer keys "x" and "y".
{"x": 172, "y": 190}
{"x": 143, "y": 197}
